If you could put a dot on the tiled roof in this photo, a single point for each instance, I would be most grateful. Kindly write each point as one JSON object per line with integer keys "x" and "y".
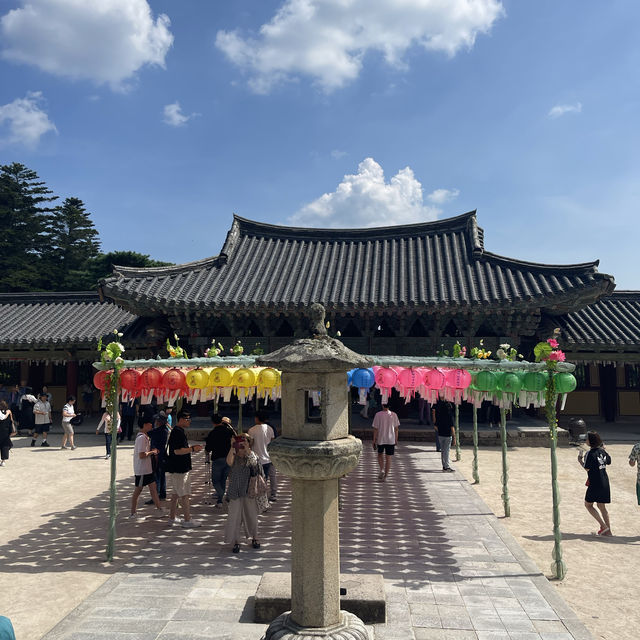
{"x": 612, "y": 320}
{"x": 431, "y": 264}
{"x": 44, "y": 320}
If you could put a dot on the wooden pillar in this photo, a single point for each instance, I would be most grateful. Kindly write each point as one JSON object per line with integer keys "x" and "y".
{"x": 72, "y": 378}
{"x": 24, "y": 372}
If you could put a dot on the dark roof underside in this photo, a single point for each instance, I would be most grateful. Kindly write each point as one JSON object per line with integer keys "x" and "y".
{"x": 611, "y": 321}
{"x": 45, "y": 320}
{"x": 430, "y": 264}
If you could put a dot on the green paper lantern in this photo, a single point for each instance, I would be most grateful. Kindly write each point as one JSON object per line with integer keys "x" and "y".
{"x": 509, "y": 383}
{"x": 565, "y": 382}
{"x": 535, "y": 380}
{"x": 485, "y": 381}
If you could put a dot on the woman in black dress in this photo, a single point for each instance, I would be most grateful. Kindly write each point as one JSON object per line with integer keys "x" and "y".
{"x": 598, "y": 491}
{"x": 7, "y": 429}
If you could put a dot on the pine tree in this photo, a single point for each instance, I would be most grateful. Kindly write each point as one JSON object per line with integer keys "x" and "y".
{"x": 101, "y": 266}
{"x": 71, "y": 243}
{"x": 23, "y": 213}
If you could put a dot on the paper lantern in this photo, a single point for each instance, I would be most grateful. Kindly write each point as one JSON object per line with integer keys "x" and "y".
{"x": 151, "y": 379}
{"x": 197, "y": 378}
{"x": 244, "y": 378}
{"x": 349, "y": 377}
{"x": 100, "y": 379}
{"x": 409, "y": 378}
{"x": 433, "y": 379}
{"x": 509, "y": 382}
{"x": 565, "y": 382}
{"x": 385, "y": 377}
{"x": 457, "y": 378}
{"x": 269, "y": 378}
{"x": 363, "y": 378}
{"x": 535, "y": 380}
{"x": 221, "y": 377}
{"x": 129, "y": 380}
{"x": 173, "y": 380}
{"x": 485, "y": 381}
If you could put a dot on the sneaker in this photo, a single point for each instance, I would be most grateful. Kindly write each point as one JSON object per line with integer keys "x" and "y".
{"x": 136, "y": 516}
{"x": 73, "y": 448}
{"x": 107, "y": 457}
{"x": 273, "y": 499}
{"x": 175, "y": 520}
{"x": 191, "y": 524}
{"x": 45, "y": 444}
{"x": 64, "y": 447}
{"x": 381, "y": 475}
{"x": 449, "y": 470}
{"x": 33, "y": 443}
{"x": 1, "y": 463}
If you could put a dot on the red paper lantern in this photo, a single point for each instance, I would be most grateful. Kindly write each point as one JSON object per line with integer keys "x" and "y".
{"x": 151, "y": 379}
{"x": 173, "y": 380}
{"x": 129, "y": 379}
{"x": 100, "y": 380}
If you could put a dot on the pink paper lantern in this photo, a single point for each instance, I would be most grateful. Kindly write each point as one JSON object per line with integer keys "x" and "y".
{"x": 386, "y": 377}
{"x": 457, "y": 378}
{"x": 409, "y": 378}
{"x": 433, "y": 379}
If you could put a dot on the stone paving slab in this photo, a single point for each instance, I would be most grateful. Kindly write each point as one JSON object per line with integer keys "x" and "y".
{"x": 451, "y": 570}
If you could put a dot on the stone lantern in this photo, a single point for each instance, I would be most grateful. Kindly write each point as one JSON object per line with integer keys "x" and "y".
{"x": 315, "y": 451}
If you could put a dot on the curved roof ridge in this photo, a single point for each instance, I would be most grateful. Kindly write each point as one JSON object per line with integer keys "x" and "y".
{"x": 264, "y": 228}
{"x": 582, "y": 266}
{"x": 142, "y": 272}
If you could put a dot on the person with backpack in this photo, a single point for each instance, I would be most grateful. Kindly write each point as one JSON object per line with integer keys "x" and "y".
{"x": 217, "y": 444}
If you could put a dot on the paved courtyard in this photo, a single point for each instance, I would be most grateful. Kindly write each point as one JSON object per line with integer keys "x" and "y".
{"x": 451, "y": 570}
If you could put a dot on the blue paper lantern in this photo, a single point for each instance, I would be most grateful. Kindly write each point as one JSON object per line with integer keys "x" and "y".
{"x": 363, "y": 378}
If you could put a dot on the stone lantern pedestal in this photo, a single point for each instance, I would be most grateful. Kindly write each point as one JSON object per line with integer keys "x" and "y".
{"x": 315, "y": 452}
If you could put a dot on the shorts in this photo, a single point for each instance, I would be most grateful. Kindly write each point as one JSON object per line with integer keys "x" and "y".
{"x": 180, "y": 483}
{"x": 42, "y": 428}
{"x": 386, "y": 448}
{"x": 67, "y": 428}
{"x": 143, "y": 481}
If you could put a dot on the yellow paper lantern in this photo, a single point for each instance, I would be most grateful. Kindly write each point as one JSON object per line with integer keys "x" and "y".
{"x": 269, "y": 378}
{"x": 221, "y": 377}
{"x": 198, "y": 378}
{"x": 244, "y": 378}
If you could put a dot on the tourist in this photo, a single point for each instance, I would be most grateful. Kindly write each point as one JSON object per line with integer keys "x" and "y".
{"x": 169, "y": 411}
{"x": 262, "y": 434}
{"x": 243, "y": 508}
{"x": 634, "y": 459}
{"x": 107, "y": 424}
{"x": 68, "y": 413}
{"x": 218, "y": 444}
{"x": 179, "y": 470}
{"x": 598, "y": 490}
{"x": 442, "y": 417}
{"x": 385, "y": 438}
{"x": 7, "y": 429}
{"x": 159, "y": 436}
{"x": 42, "y": 418}
{"x": 128, "y": 413}
{"x": 143, "y": 468}
{"x": 6, "y": 628}
{"x": 27, "y": 402}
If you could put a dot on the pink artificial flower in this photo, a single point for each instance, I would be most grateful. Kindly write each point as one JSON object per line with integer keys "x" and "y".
{"x": 557, "y": 355}
{"x": 553, "y": 343}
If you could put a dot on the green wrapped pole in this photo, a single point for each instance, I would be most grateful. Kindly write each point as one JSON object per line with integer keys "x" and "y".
{"x": 476, "y": 476}
{"x": 505, "y": 466}
{"x": 558, "y": 567}
{"x": 457, "y": 432}
{"x": 113, "y": 505}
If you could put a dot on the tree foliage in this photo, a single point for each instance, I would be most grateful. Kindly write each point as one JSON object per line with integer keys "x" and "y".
{"x": 50, "y": 248}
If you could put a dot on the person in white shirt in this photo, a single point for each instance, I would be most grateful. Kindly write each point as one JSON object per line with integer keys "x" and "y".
{"x": 143, "y": 468}
{"x": 262, "y": 434}
{"x": 106, "y": 424}
{"x": 42, "y": 417}
{"x": 385, "y": 439}
{"x": 68, "y": 413}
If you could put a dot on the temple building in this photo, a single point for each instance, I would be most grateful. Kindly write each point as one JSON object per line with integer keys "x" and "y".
{"x": 402, "y": 290}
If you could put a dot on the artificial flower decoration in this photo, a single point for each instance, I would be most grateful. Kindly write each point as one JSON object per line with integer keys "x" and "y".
{"x": 214, "y": 350}
{"x": 237, "y": 349}
{"x": 177, "y": 351}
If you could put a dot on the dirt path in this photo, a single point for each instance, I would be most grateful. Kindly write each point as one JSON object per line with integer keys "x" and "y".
{"x": 602, "y": 584}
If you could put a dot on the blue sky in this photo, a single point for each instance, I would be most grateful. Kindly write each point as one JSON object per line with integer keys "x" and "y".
{"x": 167, "y": 117}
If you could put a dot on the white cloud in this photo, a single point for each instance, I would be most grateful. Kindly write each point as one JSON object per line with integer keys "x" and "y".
{"x": 441, "y": 196}
{"x": 173, "y": 115}
{"x": 336, "y": 154}
{"x": 106, "y": 41}
{"x": 328, "y": 39}
{"x": 25, "y": 121}
{"x": 364, "y": 199}
{"x": 562, "y": 109}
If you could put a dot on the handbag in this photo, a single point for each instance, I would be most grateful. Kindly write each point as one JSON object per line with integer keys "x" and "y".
{"x": 257, "y": 486}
